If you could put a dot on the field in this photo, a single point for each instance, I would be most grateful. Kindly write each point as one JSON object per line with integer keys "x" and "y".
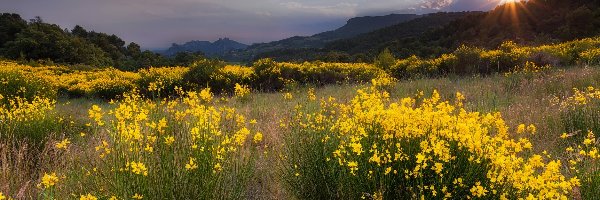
{"x": 513, "y": 123}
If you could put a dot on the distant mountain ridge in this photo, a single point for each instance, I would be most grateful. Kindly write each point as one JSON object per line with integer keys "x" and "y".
{"x": 533, "y": 22}
{"x": 364, "y": 46}
{"x": 211, "y": 49}
{"x": 353, "y": 27}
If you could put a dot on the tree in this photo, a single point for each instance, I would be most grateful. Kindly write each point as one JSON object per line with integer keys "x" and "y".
{"x": 10, "y": 25}
{"x": 40, "y": 41}
{"x": 385, "y": 60}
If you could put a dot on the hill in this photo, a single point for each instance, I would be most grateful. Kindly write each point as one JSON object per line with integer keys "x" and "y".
{"x": 362, "y": 46}
{"x": 353, "y": 27}
{"x": 217, "y": 48}
{"x": 530, "y": 22}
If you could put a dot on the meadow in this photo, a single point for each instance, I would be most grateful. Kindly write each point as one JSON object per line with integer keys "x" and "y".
{"x": 516, "y": 122}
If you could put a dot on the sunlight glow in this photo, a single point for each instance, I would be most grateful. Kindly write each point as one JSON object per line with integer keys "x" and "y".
{"x": 506, "y": 1}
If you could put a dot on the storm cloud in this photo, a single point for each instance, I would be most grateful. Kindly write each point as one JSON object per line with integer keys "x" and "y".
{"x": 157, "y": 23}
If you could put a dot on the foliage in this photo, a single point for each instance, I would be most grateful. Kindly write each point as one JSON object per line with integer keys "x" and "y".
{"x": 159, "y": 149}
{"x": 426, "y": 148}
{"x": 385, "y": 60}
{"x": 200, "y": 72}
{"x": 27, "y": 120}
{"x": 17, "y": 83}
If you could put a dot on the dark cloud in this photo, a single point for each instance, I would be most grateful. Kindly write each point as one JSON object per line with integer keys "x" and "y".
{"x": 157, "y": 23}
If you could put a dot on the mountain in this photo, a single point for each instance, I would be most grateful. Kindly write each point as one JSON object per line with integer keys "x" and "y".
{"x": 377, "y": 40}
{"x": 212, "y": 49}
{"x": 353, "y": 27}
{"x": 364, "y": 46}
{"x": 533, "y": 22}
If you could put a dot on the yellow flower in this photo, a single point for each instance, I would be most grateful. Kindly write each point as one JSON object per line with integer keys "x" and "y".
{"x": 241, "y": 91}
{"x": 2, "y": 197}
{"x": 137, "y": 196}
{"x": 531, "y": 128}
{"x": 521, "y": 128}
{"x": 311, "y": 94}
{"x": 217, "y": 167}
{"x": 258, "y": 137}
{"x": 353, "y": 165}
{"x": 63, "y": 144}
{"x": 87, "y": 197}
{"x": 191, "y": 165}
{"x": 169, "y": 140}
{"x": 587, "y": 141}
{"x": 478, "y": 190}
{"x": 49, "y": 180}
{"x": 206, "y": 95}
{"x": 438, "y": 167}
{"x": 287, "y": 96}
{"x": 138, "y": 168}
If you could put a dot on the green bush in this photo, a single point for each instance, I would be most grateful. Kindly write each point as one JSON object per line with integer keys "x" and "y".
{"x": 200, "y": 73}
{"x": 16, "y": 83}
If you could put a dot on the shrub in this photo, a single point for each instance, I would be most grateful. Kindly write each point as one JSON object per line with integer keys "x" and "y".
{"x": 373, "y": 148}
{"x": 227, "y": 77}
{"x": 268, "y": 75}
{"x": 161, "y": 81}
{"x": 385, "y": 60}
{"x": 14, "y": 82}
{"x": 590, "y": 57}
{"x": 584, "y": 161}
{"x": 579, "y": 111}
{"x": 181, "y": 149}
{"x": 27, "y": 120}
{"x": 242, "y": 92}
{"x": 107, "y": 83}
{"x": 200, "y": 73}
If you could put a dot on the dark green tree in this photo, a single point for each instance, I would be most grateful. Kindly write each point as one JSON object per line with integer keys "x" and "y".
{"x": 385, "y": 60}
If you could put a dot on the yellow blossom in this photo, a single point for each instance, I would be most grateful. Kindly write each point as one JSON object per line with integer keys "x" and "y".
{"x": 257, "y": 137}
{"x": 191, "y": 165}
{"x": 137, "y": 196}
{"x": 87, "y": 197}
{"x": 49, "y": 180}
{"x": 63, "y": 144}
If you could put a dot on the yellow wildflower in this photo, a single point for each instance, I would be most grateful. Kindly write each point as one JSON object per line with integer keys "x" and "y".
{"x": 478, "y": 190}
{"x": 191, "y": 165}
{"x": 49, "y": 180}
{"x": 63, "y": 144}
{"x": 88, "y": 197}
{"x": 169, "y": 140}
{"x": 258, "y": 137}
{"x": 137, "y": 196}
{"x": 138, "y": 168}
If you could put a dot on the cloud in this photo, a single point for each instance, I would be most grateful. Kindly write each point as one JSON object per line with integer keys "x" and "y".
{"x": 338, "y": 9}
{"x": 436, "y": 4}
{"x": 158, "y": 23}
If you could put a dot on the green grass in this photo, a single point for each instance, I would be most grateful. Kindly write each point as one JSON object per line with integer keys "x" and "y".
{"x": 519, "y": 99}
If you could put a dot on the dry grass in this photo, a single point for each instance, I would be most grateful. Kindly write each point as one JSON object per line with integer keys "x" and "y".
{"x": 520, "y": 100}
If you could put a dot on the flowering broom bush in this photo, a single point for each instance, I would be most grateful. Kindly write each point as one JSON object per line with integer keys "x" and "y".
{"x": 372, "y": 147}
{"x": 180, "y": 149}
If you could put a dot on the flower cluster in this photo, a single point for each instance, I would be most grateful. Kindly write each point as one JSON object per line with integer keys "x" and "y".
{"x": 410, "y": 149}
{"x": 186, "y": 140}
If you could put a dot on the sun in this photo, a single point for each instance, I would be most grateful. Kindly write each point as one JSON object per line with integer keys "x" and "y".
{"x": 506, "y": 1}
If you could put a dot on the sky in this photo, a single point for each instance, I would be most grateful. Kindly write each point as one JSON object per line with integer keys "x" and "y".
{"x": 155, "y": 24}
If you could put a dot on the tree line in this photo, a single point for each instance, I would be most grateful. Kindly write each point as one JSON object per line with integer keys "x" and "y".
{"x": 38, "y": 41}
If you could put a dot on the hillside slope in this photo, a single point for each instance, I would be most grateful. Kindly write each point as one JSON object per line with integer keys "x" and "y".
{"x": 216, "y": 48}
{"x": 353, "y": 27}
